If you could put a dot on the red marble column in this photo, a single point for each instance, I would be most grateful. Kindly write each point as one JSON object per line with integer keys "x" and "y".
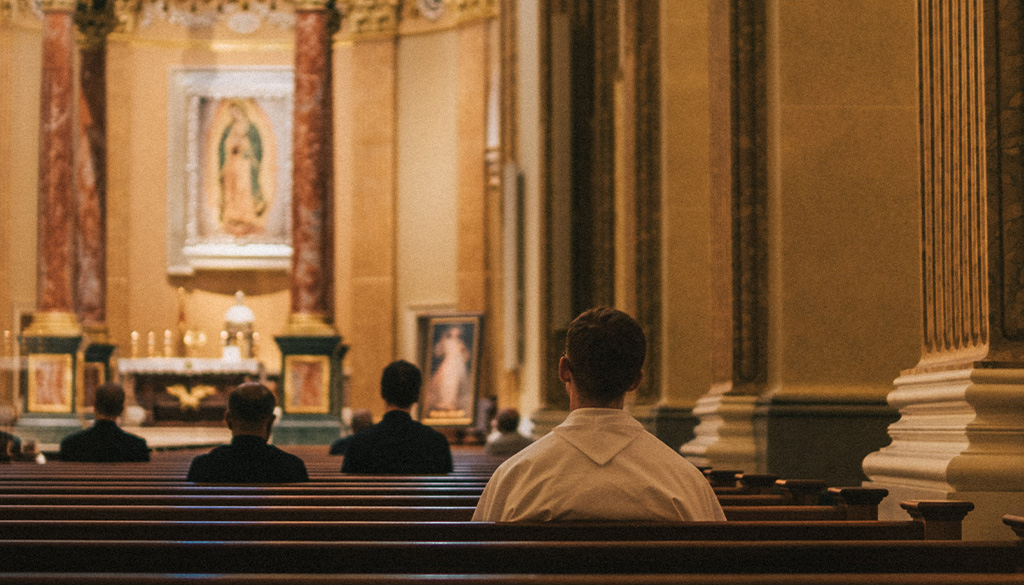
{"x": 56, "y": 203}
{"x": 91, "y": 187}
{"x": 312, "y": 211}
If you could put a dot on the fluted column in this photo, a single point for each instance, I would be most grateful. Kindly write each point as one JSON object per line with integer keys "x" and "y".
{"x": 960, "y": 435}
{"x": 55, "y": 309}
{"x": 310, "y": 348}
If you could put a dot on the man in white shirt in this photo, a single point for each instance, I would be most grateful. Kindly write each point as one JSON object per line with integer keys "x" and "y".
{"x": 600, "y": 464}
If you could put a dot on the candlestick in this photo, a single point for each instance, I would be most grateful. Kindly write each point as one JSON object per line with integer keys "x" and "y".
{"x": 135, "y": 344}
{"x": 151, "y": 344}
{"x": 168, "y": 350}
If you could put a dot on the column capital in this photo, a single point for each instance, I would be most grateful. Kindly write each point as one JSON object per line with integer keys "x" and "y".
{"x": 94, "y": 24}
{"x": 59, "y": 5}
{"x": 369, "y": 17}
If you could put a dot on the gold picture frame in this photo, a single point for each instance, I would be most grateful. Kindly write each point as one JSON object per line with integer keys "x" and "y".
{"x": 50, "y": 383}
{"x": 307, "y": 384}
{"x": 451, "y": 353}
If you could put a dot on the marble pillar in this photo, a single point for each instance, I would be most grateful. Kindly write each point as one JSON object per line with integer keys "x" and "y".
{"x": 53, "y": 338}
{"x": 311, "y": 348}
{"x": 94, "y": 22}
{"x": 724, "y": 437}
{"x": 960, "y": 435}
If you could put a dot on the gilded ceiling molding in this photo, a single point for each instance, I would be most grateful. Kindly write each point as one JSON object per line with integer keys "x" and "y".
{"x": 371, "y": 18}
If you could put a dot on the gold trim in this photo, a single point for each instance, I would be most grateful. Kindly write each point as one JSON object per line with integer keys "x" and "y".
{"x": 59, "y": 360}
{"x": 58, "y": 5}
{"x": 311, "y": 5}
{"x": 322, "y": 365}
{"x": 54, "y": 324}
{"x": 312, "y": 324}
{"x": 144, "y": 42}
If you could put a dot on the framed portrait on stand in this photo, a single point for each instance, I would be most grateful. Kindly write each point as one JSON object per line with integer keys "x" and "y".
{"x": 450, "y": 346}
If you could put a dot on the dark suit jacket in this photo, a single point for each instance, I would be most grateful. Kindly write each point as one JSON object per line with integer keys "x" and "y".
{"x": 104, "y": 442}
{"x": 398, "y": 444}
{"x": 248, "y": 459}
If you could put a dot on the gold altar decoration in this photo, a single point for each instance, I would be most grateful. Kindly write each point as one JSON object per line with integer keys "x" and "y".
{"x": 190, "y": 397}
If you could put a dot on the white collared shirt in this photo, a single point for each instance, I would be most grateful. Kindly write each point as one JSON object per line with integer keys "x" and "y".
{"x": 599, "y": 464}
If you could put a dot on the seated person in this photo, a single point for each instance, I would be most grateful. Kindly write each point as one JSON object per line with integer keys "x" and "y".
{"x": 600, "y": 464}
{"x": 10, "y": 446}
{"x": 105, "y": 441}
{"x": 398, "y": 444}
{"x": 361, "y": 419}
{"x": 248, "y": 459}
{"x": 508, "y": 441}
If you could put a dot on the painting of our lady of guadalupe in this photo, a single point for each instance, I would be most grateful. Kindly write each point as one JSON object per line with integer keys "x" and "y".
{"x": 240, "y": 167}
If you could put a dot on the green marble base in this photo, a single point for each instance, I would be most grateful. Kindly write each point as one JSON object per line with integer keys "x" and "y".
{"x": 303, "y": 428}
{"x": 296, "y": 430}
{"x": 46, "y": 429}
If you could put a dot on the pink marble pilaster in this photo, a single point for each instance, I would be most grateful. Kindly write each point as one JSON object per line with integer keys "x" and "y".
{"x": 56, "y": 204}
{"x": 91, "y": 187}
{"x": 312, "y": 226}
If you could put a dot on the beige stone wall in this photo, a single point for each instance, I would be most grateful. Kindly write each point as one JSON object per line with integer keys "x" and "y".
{"x": 141, "y": 296}
{"x": 844, "y": 196}
{"x": 19, "y": 175}
{"x": 686, "y": 212}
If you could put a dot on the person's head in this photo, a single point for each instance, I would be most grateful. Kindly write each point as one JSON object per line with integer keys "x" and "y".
{"x": 361, "y": 419}
{"x": 250, "y": 410}
{"x": 604, "y": 356}
{"x": 508, "y": 420}
{"x": 400, "y": 384}
{"x": 109, "y": 401}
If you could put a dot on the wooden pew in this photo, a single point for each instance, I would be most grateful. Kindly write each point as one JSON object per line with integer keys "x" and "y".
{"x": 523, "y": 557}
{"x": 511, "y": 579}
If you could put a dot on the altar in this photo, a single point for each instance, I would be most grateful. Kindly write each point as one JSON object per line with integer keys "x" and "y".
{"x": 176, "y": 391}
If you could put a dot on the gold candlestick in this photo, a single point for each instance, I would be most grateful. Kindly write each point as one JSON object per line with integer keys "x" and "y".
{"x": 135, "y": 344}
{"x": 150, "y": 344}
{"x": 168, "y": 350}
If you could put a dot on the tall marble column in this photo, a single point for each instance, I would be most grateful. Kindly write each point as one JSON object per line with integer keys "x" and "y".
{"x": 53, "y": 338}
{"x": 960, "y": 435}
{"x": 95, "y": 20}
{"x": 725, "y": 433}
{"x": 310, "y": 348}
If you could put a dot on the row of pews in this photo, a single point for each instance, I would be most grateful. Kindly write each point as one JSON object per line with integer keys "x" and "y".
{"x": 75, "y": 523}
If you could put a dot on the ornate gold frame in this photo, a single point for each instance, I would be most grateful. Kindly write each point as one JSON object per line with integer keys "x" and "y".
{"x": 58, "y": 360}
{"x": 322, "y": 366}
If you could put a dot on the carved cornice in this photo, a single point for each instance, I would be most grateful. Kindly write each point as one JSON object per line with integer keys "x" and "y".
{"x": 372, "y": 17}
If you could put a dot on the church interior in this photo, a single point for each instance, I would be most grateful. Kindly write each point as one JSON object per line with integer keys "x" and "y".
{"x": 812, "y": 207}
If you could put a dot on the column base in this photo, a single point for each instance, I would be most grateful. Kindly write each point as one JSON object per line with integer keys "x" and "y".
{"x": 297, "y": 430}
{"x": 546, "y": 419}
{"x": 960, "y": 436}
{"x": 47, "y": 429}
{"x": 311, "y": 386}
{"x": 813, "y": 437}
{"x": 725, "y": 437}
{"x": 673, "y": 425}
{"x": 54, "y": 324}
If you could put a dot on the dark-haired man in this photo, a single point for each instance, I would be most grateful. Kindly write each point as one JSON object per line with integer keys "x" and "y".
{"x": 398, "y": 444}
{"x": 104, "y": 441}
{"x": 248, "y": 459}
{"x": 509, "y": 440}
{"x": 600, "y": 464}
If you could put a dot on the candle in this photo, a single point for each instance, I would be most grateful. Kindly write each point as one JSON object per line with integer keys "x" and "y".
{"x": 151, "y": 344}
{"x": 135, "y": 344}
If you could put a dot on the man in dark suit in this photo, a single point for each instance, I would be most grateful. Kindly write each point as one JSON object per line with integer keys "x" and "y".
{"x": 248, "y": 459}
{"x": 105, "y": 441}
{"x": 398, "y": 444}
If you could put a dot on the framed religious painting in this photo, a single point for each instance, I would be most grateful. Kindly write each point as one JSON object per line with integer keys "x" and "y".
{"x": 229, "y": 169}
{"x": 451, "y": 354}
{"x": 50, "y": 381}
{"x": 306, "y": 379}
